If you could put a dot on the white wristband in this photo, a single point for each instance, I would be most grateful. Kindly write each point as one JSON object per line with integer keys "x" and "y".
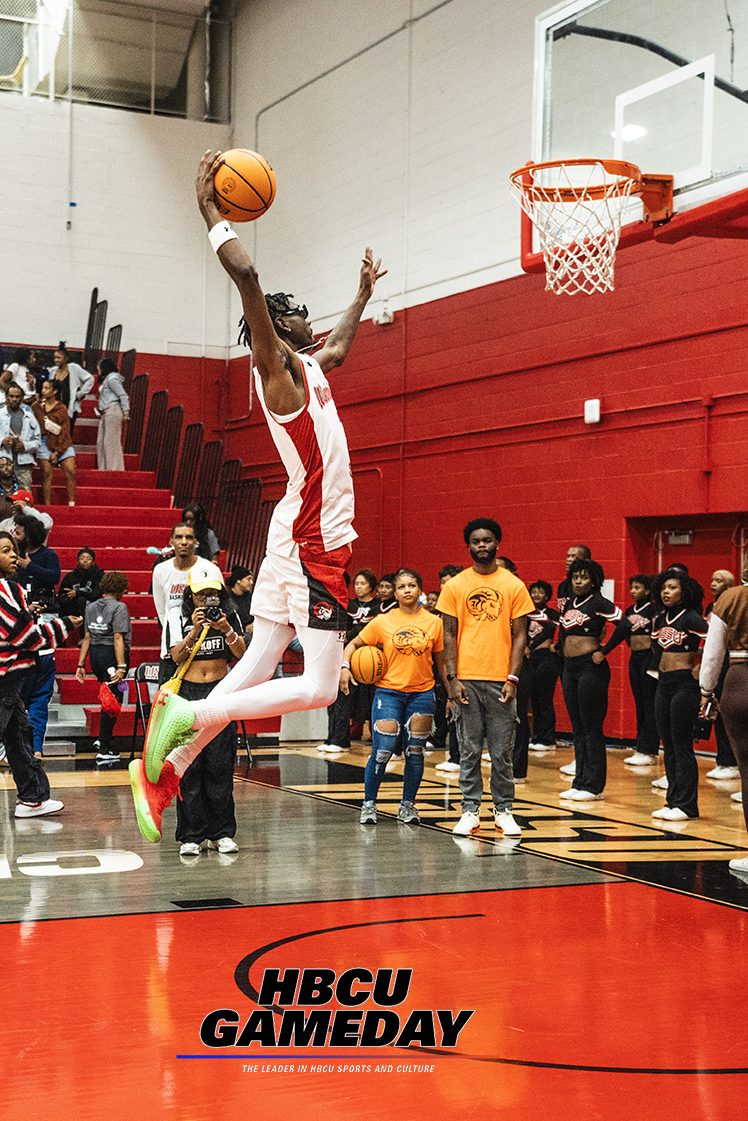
{"x": 220, "y": 234}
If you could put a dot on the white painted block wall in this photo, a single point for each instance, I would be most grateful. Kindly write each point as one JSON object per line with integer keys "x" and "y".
{"x": 406, "y": 147}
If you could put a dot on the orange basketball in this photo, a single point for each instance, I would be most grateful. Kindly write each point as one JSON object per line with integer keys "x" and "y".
{"x": 244, "y": 185}
{"x": 368, "y": 665}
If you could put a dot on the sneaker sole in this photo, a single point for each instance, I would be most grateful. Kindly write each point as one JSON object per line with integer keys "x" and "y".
{"x": 146, "y": 824}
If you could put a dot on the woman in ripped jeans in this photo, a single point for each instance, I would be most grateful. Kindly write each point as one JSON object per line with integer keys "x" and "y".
{"x": 404, "y": 701}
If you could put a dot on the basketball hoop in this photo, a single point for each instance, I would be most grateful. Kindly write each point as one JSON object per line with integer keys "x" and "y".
{"x": 577, "y": 207}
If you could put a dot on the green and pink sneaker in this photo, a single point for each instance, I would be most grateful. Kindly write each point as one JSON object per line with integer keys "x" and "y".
{"x": 169, "y": 726}
{"x": 151, "y": 799}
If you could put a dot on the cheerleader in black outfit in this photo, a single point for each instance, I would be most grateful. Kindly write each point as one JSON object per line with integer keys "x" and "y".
{"x": 586, "y": 676}
{"x": 537, "y": 681}
{"x": 636, "y": 629}
{"x": 677, "y": 633}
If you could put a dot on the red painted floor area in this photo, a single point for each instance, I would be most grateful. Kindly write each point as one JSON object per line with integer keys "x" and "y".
{"x": 619, "y": 975}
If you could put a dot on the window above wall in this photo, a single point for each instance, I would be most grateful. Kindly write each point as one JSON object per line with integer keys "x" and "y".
{"x": 168, "y": 57}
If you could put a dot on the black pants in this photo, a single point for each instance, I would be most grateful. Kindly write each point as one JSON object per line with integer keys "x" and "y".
{"x": 725, "y": 754}
{"x": 644, "y": 688}
{"x": 355, "y": 705}
{"x": 205, "y": 807}
{"x": 15, "y": 732}
{"x": 444, "y": 730}
{"x": 586, "y": 697}
{"x": 102, "y": 659}
{"x": 734, "y": 705}
{"x": 677, "y": 706}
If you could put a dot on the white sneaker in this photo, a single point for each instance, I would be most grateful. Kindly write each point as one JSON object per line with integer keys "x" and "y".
{"x": 670, "y": 813}
{"x": 189, "y": 848}
{"x": 468, "y": 823}
{"x": 331, "y": 749}
{"x": 37, "y": 809}
{"x": 638, "y": 759}
{"x": 486, "y": 757}
{"x": 541, "y": 747}
{"x": 739, "y": 865}
{"x": 368, "y": 815}
{"x": 224, "y": 844}
{"x": 660, "y": 783}
{"x": 570, "y": 794}
{"x": 505, "y": 823}
{"x": 452, "y": 768}
{"x": 737, "y": 796}
{"x": 587, "y": 796}
{"x": 569, "y": 768}
{"x": 723, "y": 772}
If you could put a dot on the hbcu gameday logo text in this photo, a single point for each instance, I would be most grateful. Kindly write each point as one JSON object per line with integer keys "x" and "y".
{"x": 293, "y": 1012}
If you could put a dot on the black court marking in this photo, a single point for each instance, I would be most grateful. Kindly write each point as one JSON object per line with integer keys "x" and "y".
{"x": 205, "y": 904}
{"x": 707, "y": 879}
{"x": 245, "y": 987}
{"x": 249, "y": 960}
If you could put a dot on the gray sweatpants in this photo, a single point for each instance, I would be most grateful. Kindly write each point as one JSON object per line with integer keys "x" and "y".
{"x": 486, "y": 717}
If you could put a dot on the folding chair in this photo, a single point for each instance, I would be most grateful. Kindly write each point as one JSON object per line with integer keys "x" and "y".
{"x": 146, "y": 687}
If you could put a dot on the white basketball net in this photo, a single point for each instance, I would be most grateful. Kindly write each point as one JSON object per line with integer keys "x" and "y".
{"x": 578, "y": 237}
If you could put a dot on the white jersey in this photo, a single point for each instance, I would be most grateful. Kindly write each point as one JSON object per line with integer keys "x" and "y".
{"x": 317, "y": 508}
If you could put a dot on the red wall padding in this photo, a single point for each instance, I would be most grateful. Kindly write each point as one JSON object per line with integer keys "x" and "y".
{"x": 473, "y": 405}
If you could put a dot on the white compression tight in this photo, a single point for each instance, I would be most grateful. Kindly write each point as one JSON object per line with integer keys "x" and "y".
{"x": 246, "y": 693}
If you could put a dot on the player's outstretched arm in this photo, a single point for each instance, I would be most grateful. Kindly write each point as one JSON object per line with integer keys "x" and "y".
{"x": 338, "y": 343}
{"x": 278, "y": 366}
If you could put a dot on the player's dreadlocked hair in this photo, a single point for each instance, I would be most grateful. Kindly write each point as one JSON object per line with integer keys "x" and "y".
{"x": 278, "y": 304}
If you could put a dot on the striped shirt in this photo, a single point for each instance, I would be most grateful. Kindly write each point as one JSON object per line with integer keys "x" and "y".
{"x": 317, "y": 509}
{"x": 20, "y": 637}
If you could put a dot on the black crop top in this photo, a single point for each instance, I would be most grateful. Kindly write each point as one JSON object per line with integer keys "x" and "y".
{"x": 588, "y": 616}
{"x": 637, "y": 619}
{"x": 542, "y": 625}
{"x": 214, "y": 645}
{"x": 679, "y": 630}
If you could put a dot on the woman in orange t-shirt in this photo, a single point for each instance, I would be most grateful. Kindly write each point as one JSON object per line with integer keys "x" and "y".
{"x": 404, "y": 701}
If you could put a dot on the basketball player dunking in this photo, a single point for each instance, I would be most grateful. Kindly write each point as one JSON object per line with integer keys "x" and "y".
{"x": 300, "y": 588}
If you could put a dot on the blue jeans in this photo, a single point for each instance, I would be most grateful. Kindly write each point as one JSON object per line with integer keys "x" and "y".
{"x": 389, "y": 704}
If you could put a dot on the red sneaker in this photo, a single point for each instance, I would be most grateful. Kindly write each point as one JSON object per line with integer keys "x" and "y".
{"x": 152, "y": 798}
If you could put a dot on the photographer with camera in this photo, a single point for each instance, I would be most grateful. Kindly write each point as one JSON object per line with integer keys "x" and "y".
{"x": 206, "y": 631}
{"x": 107, "y": 644}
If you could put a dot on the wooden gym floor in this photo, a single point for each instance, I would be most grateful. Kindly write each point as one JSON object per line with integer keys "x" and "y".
{"x": 600, "y": 954}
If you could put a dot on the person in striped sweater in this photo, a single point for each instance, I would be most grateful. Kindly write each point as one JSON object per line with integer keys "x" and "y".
{"x": 20, "y": 640}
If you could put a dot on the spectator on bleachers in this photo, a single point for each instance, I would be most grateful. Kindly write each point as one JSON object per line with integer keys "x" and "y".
{"x": 114, "y": 410}
{"x": 207, "y": 542}
{"x": 19, "y": 370}
{"x": 19, "y": 434}
{"x": 74, "y": 382}
{"x": 8, "y": 486}
{"x": 241, "y": 582}
{"x": 38, "y": 566}
{"x": 81, "y": 585}
{"x": 56, "y": 448}
{"x": 22, "y": 503}
{"x": 107, "y": 645}
{"x": 385, "y": 592}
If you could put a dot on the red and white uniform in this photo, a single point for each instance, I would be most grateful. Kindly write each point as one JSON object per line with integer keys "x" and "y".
{"x": 301, "y": 579}
{"x": 317, "y": 508}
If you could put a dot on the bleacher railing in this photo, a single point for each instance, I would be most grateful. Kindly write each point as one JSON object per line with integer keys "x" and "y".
{"x": 138, "y": 391}
{"x": 167, "y": 459}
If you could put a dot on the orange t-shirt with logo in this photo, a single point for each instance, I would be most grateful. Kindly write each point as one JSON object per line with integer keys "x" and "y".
{"x": 484, "y": 606}
{"x": 407, "y": 642}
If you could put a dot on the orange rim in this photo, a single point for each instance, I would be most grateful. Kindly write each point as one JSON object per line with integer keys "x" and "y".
{"x": 625, "y": 173}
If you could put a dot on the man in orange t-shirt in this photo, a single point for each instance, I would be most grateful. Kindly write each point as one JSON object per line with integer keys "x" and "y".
{"x": 484, "y": 609}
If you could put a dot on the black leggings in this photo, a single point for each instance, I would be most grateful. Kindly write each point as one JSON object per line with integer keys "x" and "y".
{"x": 586, "y": 698}
{"x": 677, "y": 707}
{"x": 644, "y": 688}
{"x": 102, "y": 659}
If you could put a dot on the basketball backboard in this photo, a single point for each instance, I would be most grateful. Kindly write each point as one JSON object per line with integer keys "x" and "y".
{"x": 662, "y": 85}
